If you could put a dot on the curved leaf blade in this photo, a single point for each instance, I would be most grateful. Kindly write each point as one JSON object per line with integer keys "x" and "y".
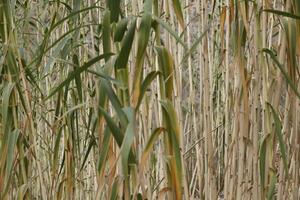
{"x": 76, "y": 72}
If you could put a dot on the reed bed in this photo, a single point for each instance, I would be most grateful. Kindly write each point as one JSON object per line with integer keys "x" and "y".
{"x": 119, "y": 99}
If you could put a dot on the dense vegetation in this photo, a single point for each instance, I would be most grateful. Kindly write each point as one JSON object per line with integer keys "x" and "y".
{"x": 153, "y": 99}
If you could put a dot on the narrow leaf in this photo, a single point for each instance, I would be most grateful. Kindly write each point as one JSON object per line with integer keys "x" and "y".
{"x": 91, "y": 144}
{"x": 282, "y": 13}
{"x": 149, "y": 78}
{"x": 12, "y": 140}
{"x": 278, "y": 131}
{"x": 170, "y": 30}
{"x": 166, "y": 66}
{"x": 76, "y": 72}
{"x": 285, "y": 74}
{"x": 178, "y": 12}
{"x": 149, "y": 145}
{"x": 104, "y": 149}
{"x": 120, "y": 30}
{"x": 122, "y": 59}
{"x": 143, "y": 38}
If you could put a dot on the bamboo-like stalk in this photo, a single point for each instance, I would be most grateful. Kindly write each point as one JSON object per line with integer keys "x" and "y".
{"x": 149, "y": 99}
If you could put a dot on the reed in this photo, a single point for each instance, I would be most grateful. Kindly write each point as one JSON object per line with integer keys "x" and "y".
{"x": 171, "y": 99}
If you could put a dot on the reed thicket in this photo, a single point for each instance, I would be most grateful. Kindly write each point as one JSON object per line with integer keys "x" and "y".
{"x": 171, "y": 99}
